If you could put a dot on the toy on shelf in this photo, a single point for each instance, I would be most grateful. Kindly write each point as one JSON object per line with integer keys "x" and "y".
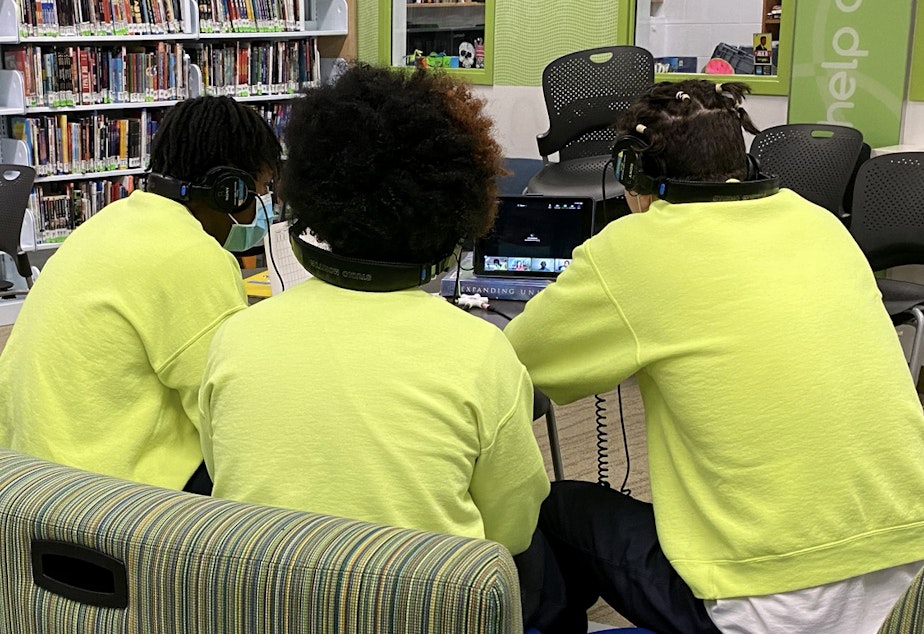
{"x": 466, "y": 55}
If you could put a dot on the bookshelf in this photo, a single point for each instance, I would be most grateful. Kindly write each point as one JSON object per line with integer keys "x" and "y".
{"x": 770, "y": 20}
{"x": 84, "y": 83}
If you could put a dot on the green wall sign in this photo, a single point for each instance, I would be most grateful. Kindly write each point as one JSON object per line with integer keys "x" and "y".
{"x": 849, "y": 63}
{"x": 916, "y": 87}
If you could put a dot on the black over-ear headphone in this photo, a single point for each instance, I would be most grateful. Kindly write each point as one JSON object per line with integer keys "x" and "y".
{"x": 363, "y": 275}
{"x": 226, "y": 189}
{"x": 641, "y": 172}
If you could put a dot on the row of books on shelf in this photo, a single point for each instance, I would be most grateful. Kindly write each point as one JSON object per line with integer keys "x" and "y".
{"x": 77, "y": 144}
{"x": 71, "y": 18}
{"x": 82, "y": 75}
{"x": 61, "y": 77}
{"x": 247, "y": 69}
{"x": 58, "y": 144}
{"x": 248, "y": 16}
{"x": 277, "y": 117}
{"x": 59, "y": 208}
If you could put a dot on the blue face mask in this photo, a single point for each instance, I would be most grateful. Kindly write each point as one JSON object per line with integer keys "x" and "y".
{"x": 244, "y": 237}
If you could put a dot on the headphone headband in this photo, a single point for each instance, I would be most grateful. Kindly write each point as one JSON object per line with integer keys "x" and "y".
{"x": 641, "y": 172}
{"x": 677, "y": 191}
{"x": 358, "y": 274}
{"x": 226, "y": 189}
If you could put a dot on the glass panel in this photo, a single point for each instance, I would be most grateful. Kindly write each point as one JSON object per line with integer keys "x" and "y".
{"x": 714, "y": 36}
{"x": 438, "y": 33}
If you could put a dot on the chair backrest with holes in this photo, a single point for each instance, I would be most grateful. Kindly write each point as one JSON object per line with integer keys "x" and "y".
{"x": 585, "y": 92}
{"x": 888, "y": 209}
{"x": 814, "y": 160}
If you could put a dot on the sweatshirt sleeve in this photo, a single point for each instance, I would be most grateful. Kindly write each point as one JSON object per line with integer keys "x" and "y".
{"x": 574, "y": 337}
{"x": 219, "y": 293}
{"x": 509, "y": 481}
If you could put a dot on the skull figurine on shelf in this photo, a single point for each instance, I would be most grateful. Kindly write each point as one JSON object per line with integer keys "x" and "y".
{"x": 466, "y": 55}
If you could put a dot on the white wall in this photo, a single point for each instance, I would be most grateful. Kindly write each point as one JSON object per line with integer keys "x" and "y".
{"x": 913, "y": 125}
{"x": 693, "y": 28}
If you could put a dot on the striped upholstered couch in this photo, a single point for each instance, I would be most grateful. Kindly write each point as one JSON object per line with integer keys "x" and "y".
{"x": 907, "y": 616}
{"x": 80, "y": 552}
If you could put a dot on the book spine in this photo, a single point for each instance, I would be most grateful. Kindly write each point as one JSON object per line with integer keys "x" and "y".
{"x": 170, "y": 21}
{"x": 134, "y": 143}
{"x": 101, "y": 13}
{"x": 134, "y": 27}
{"x": 26, "y": 18}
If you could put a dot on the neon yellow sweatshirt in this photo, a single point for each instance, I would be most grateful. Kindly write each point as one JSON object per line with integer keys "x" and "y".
{"x": 785, "y": 436}
{"x": 103, "y": 364}
{"x": 396, "y": 408}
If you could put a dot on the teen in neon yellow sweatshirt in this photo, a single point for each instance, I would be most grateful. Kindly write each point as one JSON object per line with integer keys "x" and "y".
{"x": 785, "y": 437}
{"x": 102, "y": 368}
{"x": 396, "y": 408}
{"x": 104, "y": 362}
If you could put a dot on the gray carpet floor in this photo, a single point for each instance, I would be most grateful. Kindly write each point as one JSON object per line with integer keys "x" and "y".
{"x": 4, "y": 335}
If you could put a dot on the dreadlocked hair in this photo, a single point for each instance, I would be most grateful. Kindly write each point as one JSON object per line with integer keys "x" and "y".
{"x": 391, "y": 165}
{"x": 199, "y": 134}
{"x": 695, "y": 127}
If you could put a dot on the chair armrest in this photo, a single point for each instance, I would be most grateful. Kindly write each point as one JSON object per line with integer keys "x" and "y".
{"x": 201, "y": 564}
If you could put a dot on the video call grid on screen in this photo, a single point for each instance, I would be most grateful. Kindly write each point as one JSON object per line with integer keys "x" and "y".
{"x": 533, "y": 236}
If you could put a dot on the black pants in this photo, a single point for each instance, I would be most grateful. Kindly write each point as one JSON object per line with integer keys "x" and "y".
{"x": 606, "y": 546}
{"x": 542, "y": 588}
{"x": 199, "y": 482}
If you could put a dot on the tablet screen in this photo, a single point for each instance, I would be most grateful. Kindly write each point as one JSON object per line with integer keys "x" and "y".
{"x": 533, "y": 236}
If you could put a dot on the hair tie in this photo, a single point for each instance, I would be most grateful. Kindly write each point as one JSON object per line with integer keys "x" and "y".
{"x": 718, "y": 88}
{"x": 641, "y": 129}
{"x": 682, "y": 96}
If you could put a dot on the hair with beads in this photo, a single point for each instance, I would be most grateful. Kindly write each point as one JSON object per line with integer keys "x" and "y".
{"x": 199, "y": 134}
{"x": 391, "y": 165}
{"x": 695, "y": 127}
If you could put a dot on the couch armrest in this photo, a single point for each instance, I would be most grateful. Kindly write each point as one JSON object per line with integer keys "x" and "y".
{"x": 197, "y": 564}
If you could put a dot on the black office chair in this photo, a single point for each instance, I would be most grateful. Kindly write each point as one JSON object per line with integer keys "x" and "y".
{"x": 865, "y": 153}
{"x": 814, "y": 160}
{"x": 888, "y": 224}
{"x": 15, "y": 187}
{"x": 585, "y": 92}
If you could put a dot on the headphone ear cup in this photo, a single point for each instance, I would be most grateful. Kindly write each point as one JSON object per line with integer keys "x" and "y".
{"x": 231, "y": 190}
{"x": 626, "y": 166}
{"x": 653, "y": 170}
{"x": 635, "y": 168}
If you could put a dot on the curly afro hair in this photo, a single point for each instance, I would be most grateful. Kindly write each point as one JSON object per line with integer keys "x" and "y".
{"x": 389, "y": 165}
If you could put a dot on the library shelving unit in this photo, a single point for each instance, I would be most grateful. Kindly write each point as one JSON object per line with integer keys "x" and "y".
{"x": 770, "y": 18}
{"x": 84, "y": 82}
